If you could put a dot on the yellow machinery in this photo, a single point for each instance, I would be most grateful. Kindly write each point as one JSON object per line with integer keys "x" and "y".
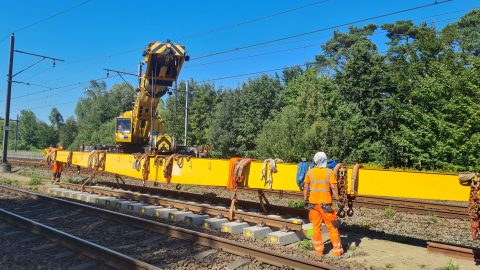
{"x": 142, "y": 127}
{"x": 215, "y": 172}
{"x": 161, "y": 164}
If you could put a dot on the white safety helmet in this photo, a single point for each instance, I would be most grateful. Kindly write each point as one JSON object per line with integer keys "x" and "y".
{"x": 320, "y": 160}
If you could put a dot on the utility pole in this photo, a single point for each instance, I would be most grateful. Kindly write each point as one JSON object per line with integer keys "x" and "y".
{"x": 175, "y": 112}
{"x": 5, "y": 166}
{"x": 186, "y": 111}
{"x": 16, "y": 135}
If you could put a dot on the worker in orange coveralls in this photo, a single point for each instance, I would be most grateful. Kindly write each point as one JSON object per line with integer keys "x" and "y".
{"x": 57, "y": 168}
{"x": 319, "y": 185}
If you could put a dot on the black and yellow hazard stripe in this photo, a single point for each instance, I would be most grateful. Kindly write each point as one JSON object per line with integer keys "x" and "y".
{"x": 164, "y": 144}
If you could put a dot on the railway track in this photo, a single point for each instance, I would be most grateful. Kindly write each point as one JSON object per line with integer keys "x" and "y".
{"x": 399, "y": 204}
{"x": 27, "y": 246}
{"x": 145, "y": 240}
{"x": 460, "y": 252}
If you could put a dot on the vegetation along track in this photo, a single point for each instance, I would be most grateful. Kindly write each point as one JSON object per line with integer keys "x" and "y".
{"x": 401, "y": 205}
{"x": 154, "y": 243}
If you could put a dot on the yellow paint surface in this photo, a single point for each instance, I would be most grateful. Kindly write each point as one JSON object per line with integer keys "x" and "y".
{"x": 214, "y": 172}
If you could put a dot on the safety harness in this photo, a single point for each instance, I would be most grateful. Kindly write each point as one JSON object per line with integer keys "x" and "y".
{"x": 168, "y": 166}
{"x": 268, "y": 169}
{"x": 96, "y": 161}
{"x": 145, "y": 166}
{"x": 238, "y": 178}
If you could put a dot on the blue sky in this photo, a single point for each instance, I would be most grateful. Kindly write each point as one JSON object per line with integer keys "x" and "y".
{"x": 112, "y": 34}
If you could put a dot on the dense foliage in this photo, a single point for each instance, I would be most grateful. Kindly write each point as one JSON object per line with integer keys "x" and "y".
{"x": 415, "y": 105}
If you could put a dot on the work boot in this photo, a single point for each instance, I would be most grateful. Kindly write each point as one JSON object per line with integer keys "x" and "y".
{"x": 344, "y": 256}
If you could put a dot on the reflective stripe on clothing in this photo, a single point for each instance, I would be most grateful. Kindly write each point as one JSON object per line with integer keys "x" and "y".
{"x": 320, "y": 180}
{"x": 317, "y": 216}
{"x": 320, "y": 190}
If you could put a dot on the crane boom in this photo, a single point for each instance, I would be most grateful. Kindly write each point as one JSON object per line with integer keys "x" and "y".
{"x": 142, "y": 127}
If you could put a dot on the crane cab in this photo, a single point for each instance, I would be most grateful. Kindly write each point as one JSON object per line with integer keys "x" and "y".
{"x": 123, "y": 130}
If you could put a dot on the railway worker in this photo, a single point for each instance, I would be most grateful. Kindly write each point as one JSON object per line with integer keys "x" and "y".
{"x": 319, "y": 185}
{"x": 57, "y": 168}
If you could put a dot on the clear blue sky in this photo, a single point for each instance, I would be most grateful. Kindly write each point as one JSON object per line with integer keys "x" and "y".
{"x": 108, "y": 33}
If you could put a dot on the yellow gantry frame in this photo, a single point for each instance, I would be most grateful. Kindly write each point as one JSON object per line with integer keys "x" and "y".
{"x": 214, "y": 172}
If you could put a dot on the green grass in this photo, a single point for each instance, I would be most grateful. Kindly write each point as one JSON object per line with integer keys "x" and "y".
{"x": 35, "y": 182}
{"x": 365, "y": 224}
{"x": 433, "y": 218}
{"x": 389, "y": 265}
{"x": 390, "y": 211}
{"x": 451, "y": 266}
{"x": 306, "y": 244}
{"x": 295, "y": 203}
{"x": 9, "y": 182}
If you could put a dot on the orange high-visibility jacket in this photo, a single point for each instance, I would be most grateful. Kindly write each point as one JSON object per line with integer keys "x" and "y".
{"x": 319, "y": 180}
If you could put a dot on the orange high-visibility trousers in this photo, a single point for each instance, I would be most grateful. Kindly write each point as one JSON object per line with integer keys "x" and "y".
{"x": 317, "y": 216}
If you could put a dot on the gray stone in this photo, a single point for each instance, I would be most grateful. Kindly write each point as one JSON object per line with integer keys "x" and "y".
{"x": 195, "y": 219}
{"x": 214, "y": 223}
{"x": 205, "y": 254}
{"x": 178, "y": 216}
{"x": 164, "y": 212}
{"x": 257, "y": 232}
{"x": 234, "y": 227}
{"x": 149, "y": 210}
{"x": 283, "y": 238}
{"x": 237, "y": 264}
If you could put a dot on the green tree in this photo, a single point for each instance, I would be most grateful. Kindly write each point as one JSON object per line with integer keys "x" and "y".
{"x": 68, "y": 132}
{"x": 56, "y": 119}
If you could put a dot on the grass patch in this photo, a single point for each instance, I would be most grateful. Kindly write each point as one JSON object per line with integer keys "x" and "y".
{"x": 451, "y": 266}
{"x": 389, "y": 265}
{"x": 295, "y": 203}
{"x": 390, "y": 211}
{"x": 365, "y": 224}
{"x": 306, "y": 244}
{"x": 9, "y": 182}
{"x": 433, "y": 218}
{"x": 34, "y": 182}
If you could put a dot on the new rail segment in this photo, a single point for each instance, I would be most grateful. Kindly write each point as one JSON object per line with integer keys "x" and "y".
{"x": 422, "y": 207}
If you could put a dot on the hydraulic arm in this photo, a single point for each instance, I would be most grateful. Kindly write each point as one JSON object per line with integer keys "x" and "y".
{"x": 141, "y": 128}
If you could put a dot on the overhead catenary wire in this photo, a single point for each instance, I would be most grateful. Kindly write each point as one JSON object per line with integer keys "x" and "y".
{"x": 319, "y": 30}
{"x": 264, "y": 71}
{"x": 250, "y": 21}
{"x": 302, "y": 47}
{"x": 32, "y": 24}
{"x": 208, "y": 80}
{"x": 238, "y": 58}
{"x": 60, "y": 87}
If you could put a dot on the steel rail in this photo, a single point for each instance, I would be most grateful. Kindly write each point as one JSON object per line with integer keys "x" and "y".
{"x": 200, "y": 238}
{"x": 460, "y": 252}
{"x": 109, "y": 257}
{"x": 191, "y": 206}
{"x": 399, "y": 204}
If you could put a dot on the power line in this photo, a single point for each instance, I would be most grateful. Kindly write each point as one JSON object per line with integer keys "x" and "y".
{"x": 254, "y": 20}
{"x": 319, "y": 30}
{"x": 60, "y": 87}
{"x": 47, "y": 18}
{"x": 306, "y": 46}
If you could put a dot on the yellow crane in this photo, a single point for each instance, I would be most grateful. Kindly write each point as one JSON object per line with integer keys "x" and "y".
{"x": 141, "y": 128}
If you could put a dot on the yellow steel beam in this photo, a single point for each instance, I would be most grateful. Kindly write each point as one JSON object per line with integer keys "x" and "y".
{"x": 214, "y": 172}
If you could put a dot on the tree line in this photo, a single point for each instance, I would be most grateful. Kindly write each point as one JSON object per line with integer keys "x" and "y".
{"x": 414, "y": 105}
